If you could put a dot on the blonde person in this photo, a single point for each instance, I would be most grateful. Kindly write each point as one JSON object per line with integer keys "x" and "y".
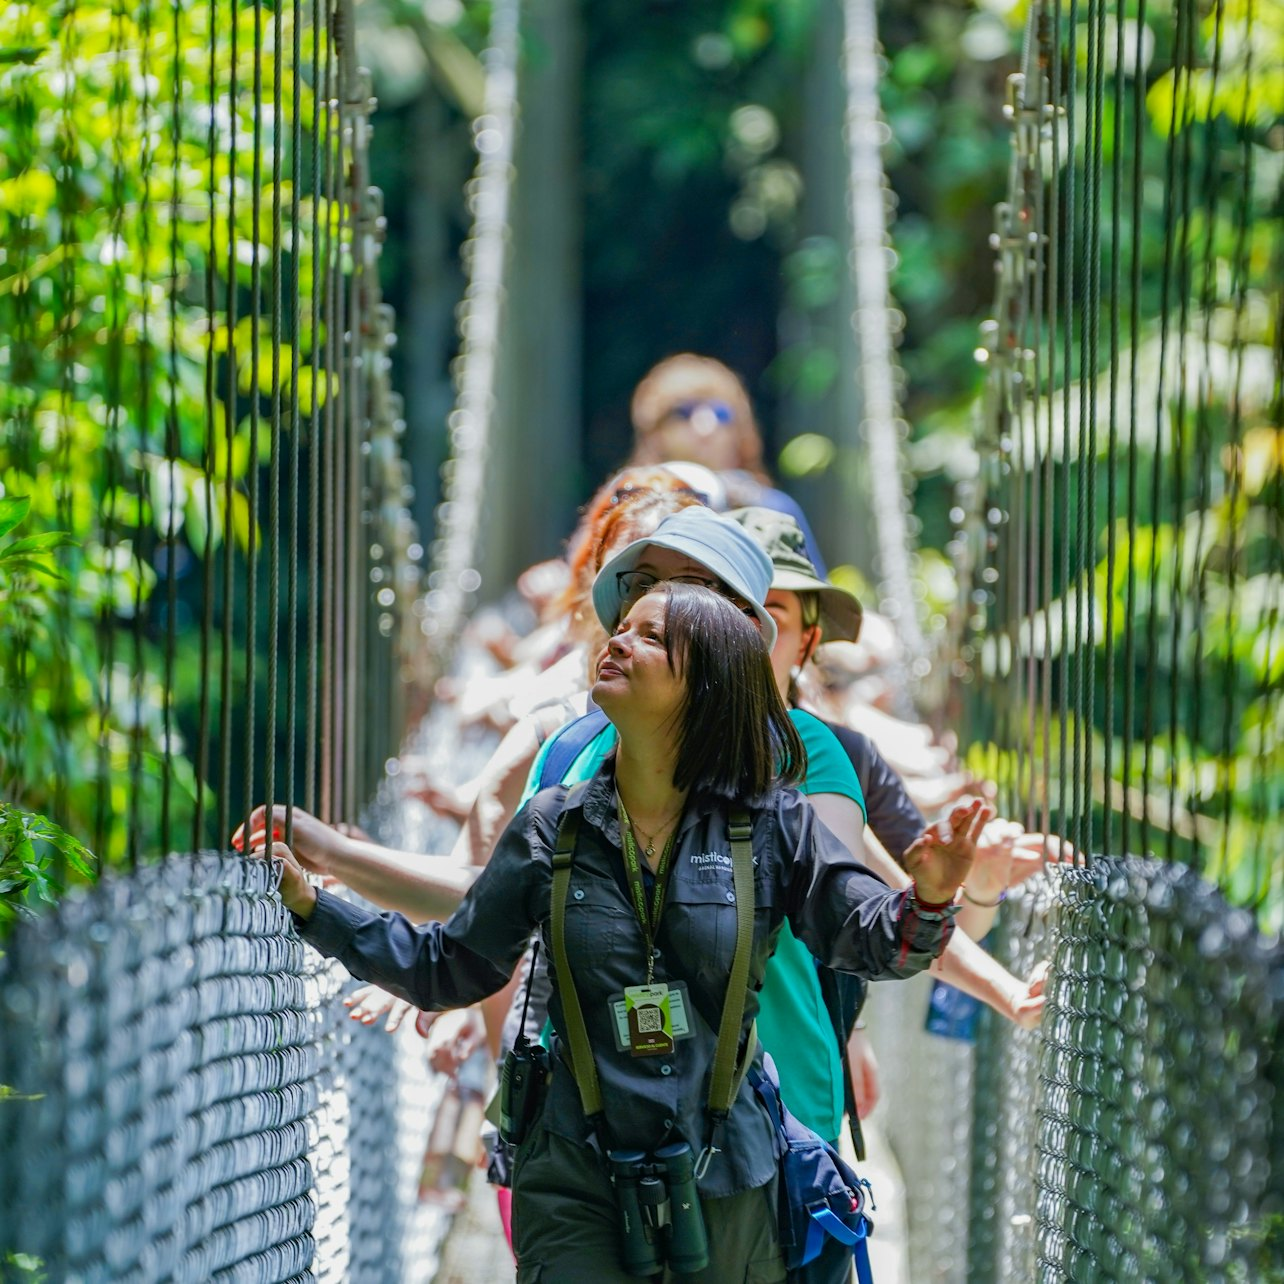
{"x": 695, "y": 409}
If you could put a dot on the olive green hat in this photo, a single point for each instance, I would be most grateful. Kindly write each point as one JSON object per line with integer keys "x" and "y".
{"x": 781, "y": 538}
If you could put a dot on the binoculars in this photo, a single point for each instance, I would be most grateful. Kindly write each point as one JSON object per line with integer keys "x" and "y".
{"x": 663, "y": 1220}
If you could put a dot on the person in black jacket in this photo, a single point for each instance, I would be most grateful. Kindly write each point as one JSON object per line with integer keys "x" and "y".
{"x": 652, "y": 903}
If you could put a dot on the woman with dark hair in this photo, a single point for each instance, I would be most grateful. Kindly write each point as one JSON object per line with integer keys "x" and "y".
{"x": 650, "y": 883}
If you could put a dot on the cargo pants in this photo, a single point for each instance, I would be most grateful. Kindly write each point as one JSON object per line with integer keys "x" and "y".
{"x": 566, "y": 1225}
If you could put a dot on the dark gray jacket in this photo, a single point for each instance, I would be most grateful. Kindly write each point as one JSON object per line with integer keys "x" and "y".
{"x": 846, "y": 916}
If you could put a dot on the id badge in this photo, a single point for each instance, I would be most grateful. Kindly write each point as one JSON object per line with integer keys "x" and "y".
{"x": 649, "y": 1019}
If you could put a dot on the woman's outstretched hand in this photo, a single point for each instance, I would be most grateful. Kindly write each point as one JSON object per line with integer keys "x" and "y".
{"x": 315, "y": 843}
{"x": 297, "y": 894}
{"x": 939, "y": 859}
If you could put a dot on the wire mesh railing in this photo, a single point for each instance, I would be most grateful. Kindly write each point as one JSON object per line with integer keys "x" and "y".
{"x": 207, "y": 569}
{"x": 186, "y": 1097}
{"x": 1120, "y": 672}
{"x": 194, "y": 390}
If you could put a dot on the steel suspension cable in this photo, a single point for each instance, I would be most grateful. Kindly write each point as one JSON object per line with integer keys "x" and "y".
{"x": 115, "y": 358}
{"x": 210, "y": 443}
{"x": 1156, "y": 472}
{"x": 1088, "y": 470}
{"x": 453, "y": 578}
{"x": 254, "y": 393}
{"x": 272, "y": 547}
{"x": 173, "y": 442}
{"x": 296, "y": 425}
{"x": 1203, "y": 398}
{"x": 328, "y": 799}
{"x": 229, "y": 426}
{"x": 1136, "y": 216}
{"x": 1239, "y": 274}
{"x": 138, "y": 671}
{"x": 1053, "y": 626}
{"x": 1112, "y": 442}
{"x": 68, "y": 310}
{"x": 1187, "y": 29}
{"x": 1068, "y": 817}
{"x": 882, "y": 424}
{"x": 342, "y": 533}
{"x": 312, "y": 725}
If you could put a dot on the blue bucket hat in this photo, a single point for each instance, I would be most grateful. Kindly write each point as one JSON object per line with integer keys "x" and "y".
{"x": 726, "y": 550}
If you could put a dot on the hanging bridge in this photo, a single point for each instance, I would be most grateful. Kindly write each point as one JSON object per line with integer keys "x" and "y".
{"x": 201, "y": 440}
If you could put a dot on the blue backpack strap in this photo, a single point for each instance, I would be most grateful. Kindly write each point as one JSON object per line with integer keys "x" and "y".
{"x": 567, "y": 744}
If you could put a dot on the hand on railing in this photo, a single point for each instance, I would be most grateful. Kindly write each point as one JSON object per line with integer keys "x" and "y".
{"x": 367, "y": 1003}
{"x": 297, "y": 894}
{"x": 940, "y": 858}
{"x": 1026, "y": 1006}
{"x": 315, "y": 843}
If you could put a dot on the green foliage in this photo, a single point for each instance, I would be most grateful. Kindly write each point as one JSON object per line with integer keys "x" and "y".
{"x": 22, "y": 1266}
{"x": 34, "y": 857}
{"x": 126, "y": 195}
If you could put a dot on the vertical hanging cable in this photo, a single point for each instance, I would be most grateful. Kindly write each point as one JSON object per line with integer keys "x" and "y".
{"x": 1187, "y": 32}
{"x": 1203, "y": 455}
{"x": 1039, "y": 115}
{"x": 1065, "y": 216}
{"x": 1050, "y": 42}
{"x": 319, "y": 158}
{"x": 254, "y": 386}
{"x": 273, "y": 542}
{"x": 1171, "y": 218}
{"x": 172, "y": 439}
{"x": 19, "y": 363}
{"x": 1137, "y": 221}
{"x": 104, "y": 829}
{"x": 65, "y": 700}
{"x": 1112, "y": 441}
{"x": 210, "y": 438}
{"x": 1088, "y": 471}
{"x": 881, "y": 424}
{"x": 296, "y": 426}
{"x": 231, "y": 392}
{"x": 355, "y": 536}
{"x": 453, "y": 578}
{"x": 139, "y": 540}
{"x": 330, "y": 263}
{"x": 1228, "y": 781}
{"x": 340, "y": 533}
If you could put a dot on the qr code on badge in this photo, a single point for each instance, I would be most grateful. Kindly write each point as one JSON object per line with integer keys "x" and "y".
{"x": 650, "y": 1019}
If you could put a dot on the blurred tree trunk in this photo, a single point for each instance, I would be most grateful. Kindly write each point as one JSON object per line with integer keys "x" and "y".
{"x": 534, "y": 461}
{"x": 426, "y": 332}
{"x": 836, "y": 501}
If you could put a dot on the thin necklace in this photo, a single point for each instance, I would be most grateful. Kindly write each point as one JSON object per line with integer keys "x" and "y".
{"x": 649, "y": 845}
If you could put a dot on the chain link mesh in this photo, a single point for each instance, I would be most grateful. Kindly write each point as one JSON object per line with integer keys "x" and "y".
{"x": 185, "y": 1096}
{"x": 1134, "y": 1135}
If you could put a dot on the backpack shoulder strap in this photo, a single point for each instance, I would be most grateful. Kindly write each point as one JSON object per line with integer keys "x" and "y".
{"x": 566, "y": 744}
{"x": 583, "y": 1066}
{"x": 724, "y": 1083}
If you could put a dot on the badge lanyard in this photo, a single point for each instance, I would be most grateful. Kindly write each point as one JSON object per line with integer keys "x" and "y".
{"x": 649, "y": 921}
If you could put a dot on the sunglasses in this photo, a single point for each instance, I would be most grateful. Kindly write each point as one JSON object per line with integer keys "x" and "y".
{"x": 722, "y": 412}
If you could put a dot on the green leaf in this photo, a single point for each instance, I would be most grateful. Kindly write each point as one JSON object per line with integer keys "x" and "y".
{"x": 38, "y": 543}
{"x": 12, "y": 511}
{"x": 16, "y": 565}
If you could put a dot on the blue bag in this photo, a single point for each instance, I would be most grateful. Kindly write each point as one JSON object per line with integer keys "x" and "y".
{"x": 819, "y": 1193}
